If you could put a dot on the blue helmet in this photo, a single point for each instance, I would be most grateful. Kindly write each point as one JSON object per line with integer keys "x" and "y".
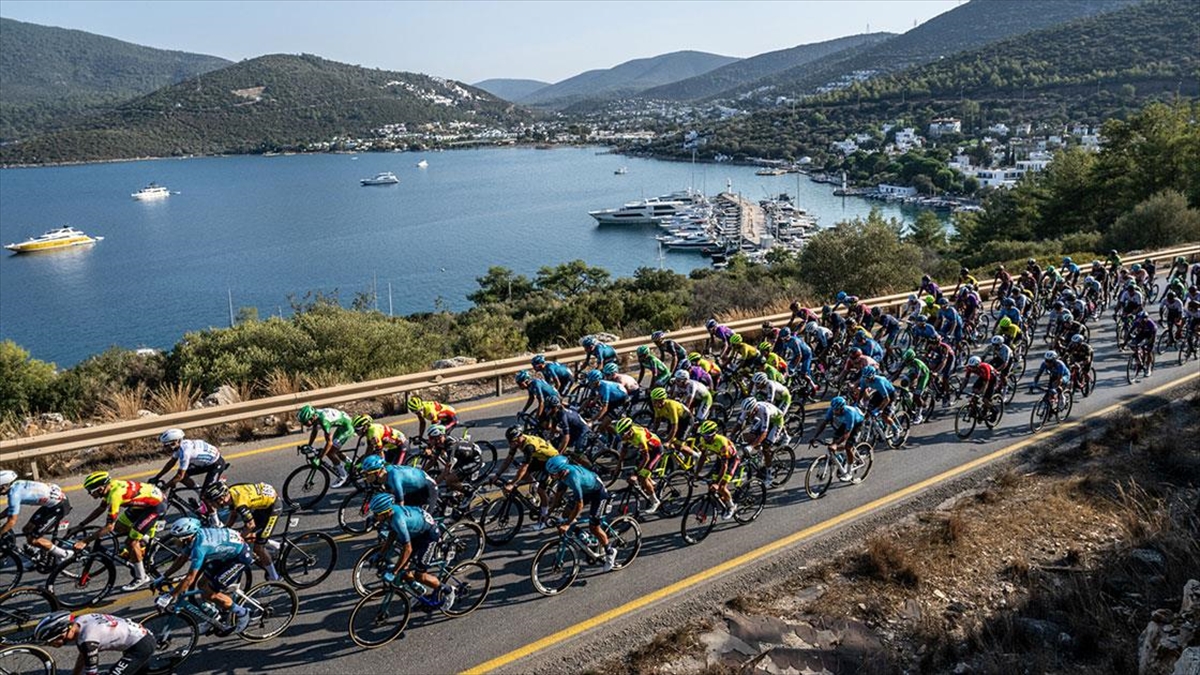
{"x": 588, "y": 342}
{"x": 837, "y": 404}
{"x": 382, "y": 503}
{"x": 371, "y": 463}
{"x": 785, "y": 333}
{"x": 184, "y": 527}
{"x": 841, "y": 296}
{"x": 657, "y": 335}
{"x": 523, "y": 377}
{"x": 710, "y": 324}
{"x": 610, "y": 369}
{"x": 593, "y": 376}
{"x": 537, "y": 361}
{"x": 557, "y": 464}
{"x": 869, "y": 372}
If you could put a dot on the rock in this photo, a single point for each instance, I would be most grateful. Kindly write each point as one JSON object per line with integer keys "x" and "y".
{"x": 552, "y": 348}
{"x": 939, "y": 595}
{"x": 1147, "y": 560}
{"x": 606, "y": 337}
{"x": 962, "y": 668}
{"x": 1188, "y": 663}
{"x": 270, "y": 421}
{"x": 454, "y": 362}
{"x": 719, "y": 642}
{"x": 809, "y": 594}
{"x": 52, "y": 418}
{"x": 224, "y": 395}
{"x": 146, "y": 413}
{"x": 911, "y": 610}
{"x": 763, "y": 630}
{"x": 1038, "y": 631}
{"x": 1191, "y": 597}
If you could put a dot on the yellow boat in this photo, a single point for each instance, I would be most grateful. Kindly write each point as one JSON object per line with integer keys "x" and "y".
{"x": 63, "y": 237}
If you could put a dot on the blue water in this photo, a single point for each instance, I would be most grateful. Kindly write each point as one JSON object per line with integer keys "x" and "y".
{"x": 261, "y": 228}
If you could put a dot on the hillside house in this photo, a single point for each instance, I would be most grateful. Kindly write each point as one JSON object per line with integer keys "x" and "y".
{"x": 945, "y": 125}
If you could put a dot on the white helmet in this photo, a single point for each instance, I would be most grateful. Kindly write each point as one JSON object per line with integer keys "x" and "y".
{"x": 7, "y": 477}
{"x": 184, "y": 527}
{"x": 973, "y": 362}
{"x": 170, "y": 436}
{"x": 748, "y": 403}
{"x": 810, "y": 327}
{"x": 760, "y": 379}
{"x": 997, "y": 340}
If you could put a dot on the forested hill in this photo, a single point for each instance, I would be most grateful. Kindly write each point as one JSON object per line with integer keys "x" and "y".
{"x": 627, "y": 78}
{"x": 47, "y": 73}
{"x": 965, "y": 27}
{"x": 740, "y": 73}
{"x": 269, "y": 103}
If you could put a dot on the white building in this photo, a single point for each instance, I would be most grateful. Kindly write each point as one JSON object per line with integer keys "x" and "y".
{"x": 896, "y": 190}
{"x": 1003, "y": 178}
{"x": 999, "y": 129}
{"x": 845, "y": 147}
{"x": 945, "y": 125}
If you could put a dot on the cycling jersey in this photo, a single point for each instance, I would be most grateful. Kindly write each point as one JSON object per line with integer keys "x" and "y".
{"x": 569, "y": 423}
{"x": 401, "y": 480}
{"x": 558, "y": 374}
{"x": 193, "y": 452}
{"x": 409, "y": 522}
{"x": 1055, "y": 368}
{"x": 642, "y": 438}
{"x": 672, "y": 412}
{"x": 672, "y": 350}
{"x": 246, "y": 497}
{"x": 580, "y": 482}
{"x": 878, "y": 384}
{"x": 541, "y": 390}
{"x": 107, "y": 632}
{"x": 130, "y": 493}
{"x": 708, "y": 366}
{"x": 381, "y": 435}
{"x": 216, "y": 544}
{"x": 537, "y": 449}
{"x": 742, "y": 351}
{"x": 439, "y": 413}
{"x": 1011, "y": 332}
{"x": 627, "y": 382}
{"x": 985, "y": 372}
{"x": 776, "y": 362}
{"x": 721, "y": 332}
{"x": 336, "y": 423}
{"x": 776, "y": 393}
{"x": 849, "y": 418}
{"x": 764, "y": 415}
{"x": 604, "y": 353}
{"x": 918, "y": 374}
{"x": 610, "y": 393}
{"x": 718, "y": 446}
{"x": 658, "y": 370}
{"x": 871, "y": 348}
{"x": 32, "y": 492}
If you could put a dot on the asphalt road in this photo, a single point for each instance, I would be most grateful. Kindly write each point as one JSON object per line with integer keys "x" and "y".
{"x": 515, "y": 616}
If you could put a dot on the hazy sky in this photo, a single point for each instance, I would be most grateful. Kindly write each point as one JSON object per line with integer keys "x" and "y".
{"x": 472, "y": 41}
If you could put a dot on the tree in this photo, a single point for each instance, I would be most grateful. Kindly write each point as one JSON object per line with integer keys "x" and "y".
{"x": 572, "y": 278}
{"x": 501, "y": 284}
{"x": 25, "y": 383}
{"x": 866, "y": 256}
{"x": 1162, "y": 220}
{"x": 927, "y": 232}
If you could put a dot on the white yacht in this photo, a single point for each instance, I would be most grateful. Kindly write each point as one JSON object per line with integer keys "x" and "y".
{"x": 62, "y": 237}
{"x": 621, "y": 171}
{"x": 151, "y": 192}
{"x": 649, "y": 211}
{"x": 384, "y": 178}
{"x": 422, "y": 164}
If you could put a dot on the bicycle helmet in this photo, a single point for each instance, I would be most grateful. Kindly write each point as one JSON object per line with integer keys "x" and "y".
{"x": 963, "y": 271}
{"x": 1050, "y": 270}
{"x": 1113, "y": 253}
{"x": 7, "y": 477}
{"x": 414, "y": 403}
{"x": 876, "y": 312}
{"x": 1050, "y": 355}
{"x": 1068, "y": 295}
{"x": 557, "y": 464}
{"x": 841, "y": 296}
{"x": 810, "y": 327}
{"x": 382, "y": 503}
{"x": 184, "y": 527}
{"x": 680, "y": 376}
{"x": 436, "y": 431}
{"x": 1077, "y": 339}
{"x": 785, "y": 333}
{"x": 929, "y": 299}
{"x": 593, "y": 376}
{"x": 997, "y": 340}
{"x": 1004, "y": 323}
{"x": 1067, "y": 260}
{"x": 869, "y": 371}
{"x": 764, "y": 346}
{"x": 925, "y": 278}
{"x": 96, "y": 481}
{"x": 53, "y": 627}
{"x": 710, "y": 324}
{"x": 1180, "y": 259}
{"x": 826, "y": 310}
{"x": 707, "y": 428}
{"x": 609, "y": 369}
{"x": 643, "y": 350}
{"x": 1136, "y": 268}
{"x": 217, "y": 490}
{"x": 749, "y": 403}
{"x": 736, "y": 339}
{"x": 1058, "y": 305}
{"x": 623, "y": 425}
{"x": 760, "y": 379}
{"x": 361, "y": 422}
{"x": 658, "y": 394}
{"x": 306, "y": 414}
{"x": 973, "y": 362}
{"x": 1170, "y": 295}
{"x": 909, "y": 355}
{"x": 837, "y": 404}
{"x": 514, "y": 433}
{"x": 537, "y": 361}
{"x": 170, "y": 436}
{"x": 371, "y": 464}
{"x": 523, "y": 376}
{"x": 794, "y": 306}
{"x": 553, "y": 401}
{"x": 694, "y": 357}
{"x": 943, "y": 300}
{"x": 920, "y": 319}
{"x": 1066, "y": 317}
{"x": 855, "y": 352}
{"x": 587, "y": 342}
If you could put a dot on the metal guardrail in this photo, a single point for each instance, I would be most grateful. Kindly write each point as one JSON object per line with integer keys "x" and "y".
{"x": 33, "y": 447}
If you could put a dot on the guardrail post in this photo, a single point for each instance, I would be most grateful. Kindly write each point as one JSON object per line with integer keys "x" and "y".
{"x": 499, "y": 386}
{"x": 33, "y": 469}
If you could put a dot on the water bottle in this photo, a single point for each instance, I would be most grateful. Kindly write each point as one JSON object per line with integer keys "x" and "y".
{"x": 841, "y": 457}
{"x": 420, "y": 588}
{"x": 210, "y": 609}
{"x": 590, "y": 540}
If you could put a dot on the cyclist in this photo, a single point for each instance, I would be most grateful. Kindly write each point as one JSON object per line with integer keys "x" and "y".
{"x": 764, "y": 388}
{"x": 739, "y": 353}
{"x": 1131, "y": 299}
{"x": 693, "y": 394}
{"x": 704, "y": 371}
{"x": 650, "y": 364}
{"x": 1070, "y": 270}
{"x": 887, "y": 327}
{"x": 432, "y": 412}
{"x": 650, "y": 451}
{"x": 670, "y": 351}
{"x": 258, "y": 507}
{"x": 847, "y": 421}
{"x": 628, "y": 383}
{"x": 918, "y": 373}
{"x": 193, "y": 456}
{"x": 584, "y": 487}
{"x": 609, "y": 396}
{"x": 1009, "y": 331}
{"x": 923, "y": 330}
{"x": 820, "y": 338}
{"x": 1173, "y": 314}
{"x": 869, "y": 347}
{"x": 968, "y": 306}
{"x": 950, "y": 323}
{"x": 929, "y": 287}
{"x": 595, "y": 349}
{"x": 52, "y": 505}
{"x": 337, "y": 428}
{"x": 675, "y": 415}
{"x": 1080, "y": 354}
{"x": 145, "y": 506}
{"x": 718, "y": 334}
{"x": 408, "y": 484}
{"x": 941, "y": 363}
{"x": 535, "y": 453}
{"x": 572, "y": 430}
{"x": 800, "y": 315}
{"x": 856, "y": 362}
{"x": 1141, "y": 336}
{"x": 539, "y": 392}
{"x": 835, "y": 322}
{"x": 215, "y": 557}
{"x": 458, "y": 459}
{"x": 95, "y": 633}
{"x": 1151, "y": 267}
{"x": 772, "y": 360}
{"x": 1059, "y": 375}
{"x": 1009, "y": 310}
{"x": 559, "y": 376}
{"x": 763, "y": 422}
{"x": 985, "y": 383}
{"x": 882, "y": 393}
{"x": 412, "y": 533}
{"x": 1002, "y": 281}
{"x": 1114, "y": 261}
{"x": 382, "y": 439}
{"x": 1000, "y": 357}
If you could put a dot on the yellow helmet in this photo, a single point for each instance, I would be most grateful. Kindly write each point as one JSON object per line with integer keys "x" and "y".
{"x": 96, "y": 480}
{"x": 414, "y": 403}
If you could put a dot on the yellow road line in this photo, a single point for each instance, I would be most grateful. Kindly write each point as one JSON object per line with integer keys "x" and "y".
{"x": 284, "y": 446}
{"x": 751, "y": 556}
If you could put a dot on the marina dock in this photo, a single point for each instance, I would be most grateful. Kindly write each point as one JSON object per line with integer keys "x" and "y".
{"x": 752, "y": 219}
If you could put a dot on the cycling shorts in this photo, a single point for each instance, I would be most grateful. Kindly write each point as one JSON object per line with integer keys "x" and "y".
{"x": 222, "y": 574}
{"x": 725, "y": 469}
{"x": 264, "y": 520}
{"x": 341, "y": 435}
{"x": 648, "y": 459}
{"x": 423, "y": 549}
{"x": 426, "y": 497}
{"x": 597, "y": 503}
{"x": 46, "y": 519}
{"x": 212, "y": 472}
{"x": 134, "y": 659}
{"x": 142, "y": 521}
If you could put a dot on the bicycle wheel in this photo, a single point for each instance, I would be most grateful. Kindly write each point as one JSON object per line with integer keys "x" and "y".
{"x": 26, "y": 660}
{"x": 865, "y": 459}
{"x": 1038, "y": 416}
{"x": 964, "y": 421}
{"x": 502, "y": 520}
{"x": 20, "y": 610}
{"x": 308, "y": 559}
{"x": 379, "y": 618}
{"x": 1163, "y": 343}
{"x": 783, "y": 465}
{"x": 794, "y": 422}
{"x": 674, "y": 491}
{"x": 365, "y": 575}
{"x": 554, "y": 567}
{"x": 750, "y": 497}
{"x": 1090, "y": 384}
{"x": 896, "y": 435}
{"x": 698, "y": 519}
{"x": 471, "y": 581}
{"x": 992, "y": 420}
{"x": 306, "y": 486}
{"x": 461, "y": 542}
{"x": 11, "y": 571}
{"x": 625, "y": 536}
{"x": 354, "y": 515}
{"x": 818, "y": 476}
{"x": 175, "y": 635}
{"x": 487, "y": 457}
{"x": 272, "y": 606}
{"x": 83, "y": 580}
{"x": 1133, "y": 369}
{"x": 1064, "y": 410}
{"x": 607, "y": 467}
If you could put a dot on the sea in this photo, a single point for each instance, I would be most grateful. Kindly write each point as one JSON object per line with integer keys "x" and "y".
{"x": 255, "y": 231}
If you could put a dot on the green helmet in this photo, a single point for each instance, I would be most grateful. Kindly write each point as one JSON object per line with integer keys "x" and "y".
{"x": 707, "y": 428}
{"x": 643, "y": 351}
{"x": 909, "y": 354}
{"x": 624, "y": 424}
{"x": 736, "y": 339}
{"x": 658, "y": 394}
{"x": 361, "y": 422}
{"x": 306, "y": 414}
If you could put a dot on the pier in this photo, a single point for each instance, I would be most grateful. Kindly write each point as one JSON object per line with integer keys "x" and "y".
{"x": 752, "y": 220}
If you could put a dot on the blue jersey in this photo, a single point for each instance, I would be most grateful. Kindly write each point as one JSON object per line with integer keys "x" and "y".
{"x": 557, "y": 373}
{"x": 603, "y": 353}
{"x": 1013, "y": 314}
{"x": 889, "y": 324}
{"x": 32, "y": 492}
{"x": 400, "y": 480}
{"x": 542, "y": 390}
{"x": 569, "y": 422}
{"x": 925, "y": 330}
{"x": 848, "y": 419}
{"x": 408, "y": 522}
{"x": 215, "y": 544}
{"x": 872, "y": 349}
{"x": 580, "y": 482}
{"x": 879, "y": 384}
{"x": 611, "y": 393}
{"x": 1056, "y": 367}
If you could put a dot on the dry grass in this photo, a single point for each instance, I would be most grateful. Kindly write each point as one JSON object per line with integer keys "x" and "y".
{"x": 885, "y": 561}
{"x": 124, "y": 404}
{"x": 173, "y": 398}
{"x": 280, "y": 383}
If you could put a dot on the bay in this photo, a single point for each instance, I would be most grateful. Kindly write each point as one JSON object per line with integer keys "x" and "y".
{"x": 263, "y": 228}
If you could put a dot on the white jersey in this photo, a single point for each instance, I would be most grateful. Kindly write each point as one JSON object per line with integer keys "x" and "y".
{"x": 773, "y": 390}
{"x": 32, "y": 493}
{"x": 627, "y": 382}
{"x": 108, "y": 632}
{"x": 196, "y": 453}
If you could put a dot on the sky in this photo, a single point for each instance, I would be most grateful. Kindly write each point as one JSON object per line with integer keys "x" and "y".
{"x": 473, "y": 41}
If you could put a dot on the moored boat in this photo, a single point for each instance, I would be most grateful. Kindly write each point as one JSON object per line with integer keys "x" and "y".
{"x": 151, "y": 192}
{"x": 58, "y": 238}
{"x": 383, "y": 178}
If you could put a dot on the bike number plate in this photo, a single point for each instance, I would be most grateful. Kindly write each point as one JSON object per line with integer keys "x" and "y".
{"x": 293, "y": 521}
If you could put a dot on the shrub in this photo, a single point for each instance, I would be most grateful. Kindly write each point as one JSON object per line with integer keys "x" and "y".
{"x": 26, "y": 384}
{"x": 865, "y": 256}
{"x": 1162, "y": 220}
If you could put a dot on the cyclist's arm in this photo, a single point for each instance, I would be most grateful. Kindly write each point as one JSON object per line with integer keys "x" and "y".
{"x": 88, "y": 659}
{"x": 108, "y": 526}
{"x": 166, "y": 468}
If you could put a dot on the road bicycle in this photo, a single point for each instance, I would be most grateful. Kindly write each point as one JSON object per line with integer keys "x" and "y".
{"x": 20, "y": 610}
{"x": 505, "y": 515}
{"x": 89, "y": 576}
{"x": 1138, "y": 364}
{"x": 383, "y": 614}
{"x": 435, "y": 463}
{"x": 895, "y": 435}
{"x": 557, "y": 563}
{"x": 1189, "y": 347}
{"x": 272, "y": 605}
{"x": 701, "y": 514}
{"x": 1083, "y": 381}
{"x": 1053, "y": 403}
{"x": 26, "y": 660}
{"x": 16, "y": 561}
{"x": 306, "y": 560}
{"x": 973, "y": 411}
{"x": 821, "y": 470}
{"x": 460, "y": 541}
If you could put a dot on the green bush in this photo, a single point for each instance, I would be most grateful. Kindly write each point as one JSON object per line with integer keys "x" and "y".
{"x": 26, "y": 384}
{"x": 81, "y": 390}
{"x": 865, "y": 257}
{"x": 1163, "y": 220}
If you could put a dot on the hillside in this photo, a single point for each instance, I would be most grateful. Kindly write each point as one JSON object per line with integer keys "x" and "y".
{"x": 47, "y": 73}
{"x": 741, "y": 73}
{"x": 965, "y": 27}
{"x": 269, "y": 103}
{"x": 627, "y": 78}
{"x": 510, "y": 89}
